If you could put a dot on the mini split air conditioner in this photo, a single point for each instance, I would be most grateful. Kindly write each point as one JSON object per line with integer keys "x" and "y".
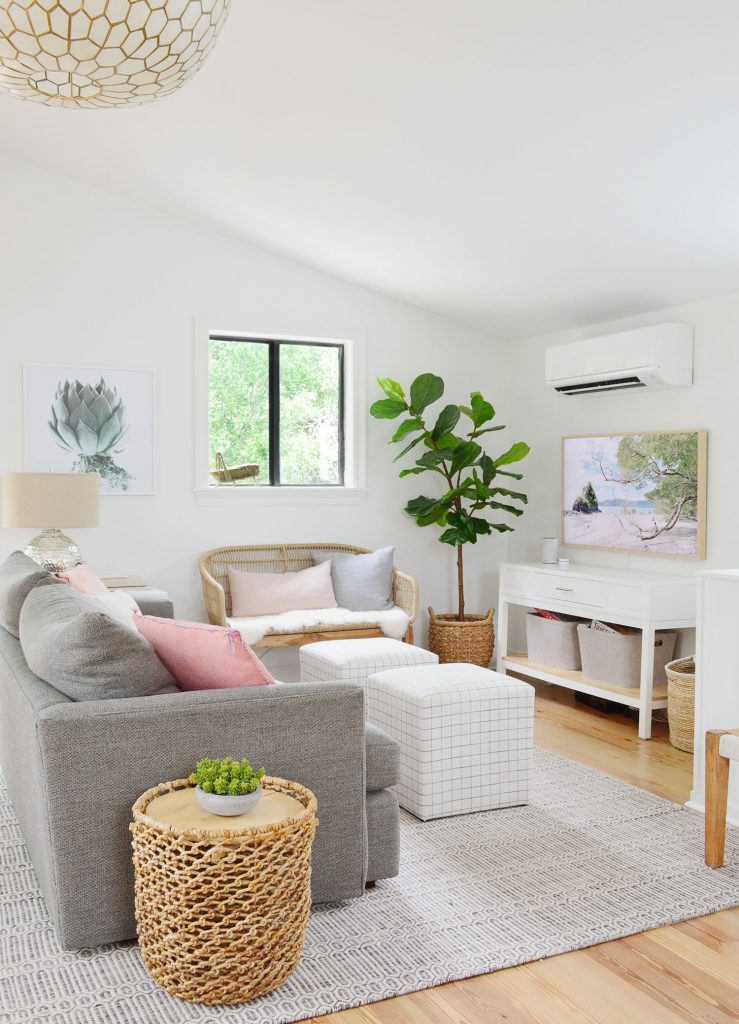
{"x": 649, "y": 358}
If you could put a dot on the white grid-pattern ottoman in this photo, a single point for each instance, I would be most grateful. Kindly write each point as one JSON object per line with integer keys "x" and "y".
{"x": 356, "y": 660}
{"x": 465, "y": 735}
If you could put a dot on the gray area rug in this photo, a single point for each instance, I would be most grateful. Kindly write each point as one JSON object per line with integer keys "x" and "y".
{"x": 590, "y": 859}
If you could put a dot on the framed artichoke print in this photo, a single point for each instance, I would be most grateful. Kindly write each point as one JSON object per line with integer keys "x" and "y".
{"x": 89, "y": 419}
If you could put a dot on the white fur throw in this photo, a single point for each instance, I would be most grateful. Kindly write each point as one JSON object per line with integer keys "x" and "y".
{"x": 393, "y": 622}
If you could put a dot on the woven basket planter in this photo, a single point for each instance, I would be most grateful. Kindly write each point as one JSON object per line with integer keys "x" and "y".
{"x": 470, "y": 641}
{"x": 681, "y": 703}
{"x": 222, "y": 913}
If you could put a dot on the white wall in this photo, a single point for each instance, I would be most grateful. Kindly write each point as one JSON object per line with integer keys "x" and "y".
{"x": 91, "y": 278}
{"x": 542, "y": 417}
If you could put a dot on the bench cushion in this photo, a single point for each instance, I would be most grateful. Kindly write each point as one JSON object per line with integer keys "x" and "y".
{"x": 393, "y": 622}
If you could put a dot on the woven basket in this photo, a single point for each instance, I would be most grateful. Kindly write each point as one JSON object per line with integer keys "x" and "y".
{"x": 681, "y": 702}
{"x": 224, "y": 474}
{"x": 222, "y": 913}
{"x": 469, "y": 641}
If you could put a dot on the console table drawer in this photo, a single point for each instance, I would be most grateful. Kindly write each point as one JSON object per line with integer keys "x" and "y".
{"x": 569, "y": 588}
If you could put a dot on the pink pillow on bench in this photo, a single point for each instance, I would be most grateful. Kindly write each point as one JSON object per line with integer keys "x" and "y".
{"x": 270, "y": 593}
{"x": 203, "y": 657}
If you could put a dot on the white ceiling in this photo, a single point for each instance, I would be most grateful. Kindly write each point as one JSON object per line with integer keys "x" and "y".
{"x": 521, "y": 165}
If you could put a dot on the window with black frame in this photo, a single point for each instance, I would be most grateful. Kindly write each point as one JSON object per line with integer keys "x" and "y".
{"x": 276, "y": 412}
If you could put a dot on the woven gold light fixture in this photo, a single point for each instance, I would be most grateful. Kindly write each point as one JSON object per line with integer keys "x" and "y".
{"x": 104, "y": 53}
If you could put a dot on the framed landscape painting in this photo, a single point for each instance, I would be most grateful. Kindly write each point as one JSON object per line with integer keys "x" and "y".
{"x": 640, "y": 493}
{"x": 91, "y": 419}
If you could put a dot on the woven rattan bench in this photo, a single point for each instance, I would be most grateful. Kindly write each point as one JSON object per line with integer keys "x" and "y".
{"x": 291, "y": 558}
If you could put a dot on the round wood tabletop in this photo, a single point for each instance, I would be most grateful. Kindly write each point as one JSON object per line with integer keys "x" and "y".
{"x": 180, "y": 809}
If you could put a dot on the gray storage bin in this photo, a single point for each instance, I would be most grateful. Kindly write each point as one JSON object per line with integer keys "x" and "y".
{"x": 616, "y": 659}
{"x": 552, "y": 643}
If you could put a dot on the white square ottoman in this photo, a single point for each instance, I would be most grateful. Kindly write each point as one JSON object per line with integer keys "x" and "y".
{"x": 465, "y": 735}
{"x": 355, "y": 660}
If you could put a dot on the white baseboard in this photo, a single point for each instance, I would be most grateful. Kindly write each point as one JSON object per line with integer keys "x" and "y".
{"x": 697, "y": 803}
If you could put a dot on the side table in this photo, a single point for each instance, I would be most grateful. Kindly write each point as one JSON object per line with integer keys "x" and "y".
{"x": 151, "y": 600}
{"x": 222, "y": 904}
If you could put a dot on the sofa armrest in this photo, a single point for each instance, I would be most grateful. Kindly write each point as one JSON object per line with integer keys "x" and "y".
{"x": 99, "y": 756}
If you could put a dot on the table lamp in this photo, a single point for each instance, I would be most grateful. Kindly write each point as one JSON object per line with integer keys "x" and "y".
{"x": 43, "y": 499}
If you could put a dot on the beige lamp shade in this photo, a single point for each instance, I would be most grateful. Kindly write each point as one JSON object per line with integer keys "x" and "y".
{"x": 45, "y": 500}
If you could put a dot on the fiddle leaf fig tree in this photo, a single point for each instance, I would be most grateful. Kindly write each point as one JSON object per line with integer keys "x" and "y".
{"x": 470, "y": 478}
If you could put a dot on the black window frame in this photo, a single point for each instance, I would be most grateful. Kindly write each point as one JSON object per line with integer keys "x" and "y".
{"x": 273, "y": 386}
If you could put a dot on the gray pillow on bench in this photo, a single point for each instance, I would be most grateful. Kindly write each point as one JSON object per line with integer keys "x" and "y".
{"x": 70, "y": 641}
{"x": 19, "y": 574}
{"x": 362, "y": 583}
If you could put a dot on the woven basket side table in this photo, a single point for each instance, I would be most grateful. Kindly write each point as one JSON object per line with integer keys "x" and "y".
{"x": 222, "y": 911}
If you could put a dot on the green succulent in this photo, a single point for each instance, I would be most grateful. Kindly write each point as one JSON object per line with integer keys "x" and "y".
{"x": 226, "y": 776}
{"x": 89, "y": 421}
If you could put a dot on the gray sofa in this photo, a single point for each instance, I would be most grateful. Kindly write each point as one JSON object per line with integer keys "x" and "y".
{"x": 74, "y": 769}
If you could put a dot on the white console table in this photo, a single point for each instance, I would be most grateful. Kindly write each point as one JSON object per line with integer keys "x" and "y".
{"x": 646, "y": 601}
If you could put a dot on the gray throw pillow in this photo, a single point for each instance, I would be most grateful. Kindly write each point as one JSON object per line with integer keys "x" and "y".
{"x": 70, "y": 641}
{"x": 362, "y": 583}
{"x": 19, "y": 574}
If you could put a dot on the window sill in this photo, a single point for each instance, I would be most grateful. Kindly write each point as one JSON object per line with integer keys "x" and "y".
{"x": 255, "y": 497}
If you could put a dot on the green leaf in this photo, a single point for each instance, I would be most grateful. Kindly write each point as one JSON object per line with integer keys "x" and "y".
{"x": 505, "y": 508}
{"x": 449, "y": 441}
{"x": 425, "y": 390}
{"x": 387, "y": 408}
{"x": 420, "y": 506}
{"x": 488, "y": 430}
{"x": 406, "y": 427}
{"x": 482, "y": 411}
{"x": 505, "y": 472}
{"x": 447, "y": 421}
{"x": 392, "y": 389}
{"x": 451, "y": 536}
{"x": 511, "y": 494}
{"x": 467, "y": 411}
{"x": 487, "y": 466}
{"x": 480, "y": 526}
{"x": 414, "y": 442}
{"x": 515, "y": 453}
{"x": 415, "y": 472}
{"x": 502, "y": 527}
{"x": 465, "y": 454}
{"x": 461, "y": 519}
{"x": 434, "y": 458}
{"x": 438, "y": 514}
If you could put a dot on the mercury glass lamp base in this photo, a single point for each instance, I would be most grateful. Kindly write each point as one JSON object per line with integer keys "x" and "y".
{"x": 53, "y": 550}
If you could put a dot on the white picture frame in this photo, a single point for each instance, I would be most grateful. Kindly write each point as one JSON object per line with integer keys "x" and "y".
{"x": 113, "y": 435}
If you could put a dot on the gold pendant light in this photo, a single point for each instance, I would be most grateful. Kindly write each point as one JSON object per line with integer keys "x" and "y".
{"x": 104, "y": 53}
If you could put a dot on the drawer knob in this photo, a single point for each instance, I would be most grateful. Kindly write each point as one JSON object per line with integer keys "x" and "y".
{"x": 567, "y": 590}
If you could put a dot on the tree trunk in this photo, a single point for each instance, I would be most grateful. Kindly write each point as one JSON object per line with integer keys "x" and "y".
{"x": 460, "y": 582}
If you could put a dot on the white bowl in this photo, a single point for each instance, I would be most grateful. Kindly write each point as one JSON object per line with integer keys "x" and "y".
{"x": 225, "y": 805}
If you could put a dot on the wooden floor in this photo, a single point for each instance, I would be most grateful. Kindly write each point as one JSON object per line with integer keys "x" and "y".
{"x": 685, "y": 972}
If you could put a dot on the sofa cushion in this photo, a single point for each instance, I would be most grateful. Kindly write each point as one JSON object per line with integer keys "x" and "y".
{"x": 382, "y": 759}
{"x": 70, "y": 641}
{"x": 271, "y": 593}
{"x": 19, "y": 574}
{"x": 203, "y": 657}
{"x": 362, "y": 583}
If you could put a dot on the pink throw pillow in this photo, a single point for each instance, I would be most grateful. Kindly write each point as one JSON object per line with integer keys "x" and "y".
{"x": 203, "y": 657}
{"x": 82, "y": 578}
{"x": 270, "y": 593}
